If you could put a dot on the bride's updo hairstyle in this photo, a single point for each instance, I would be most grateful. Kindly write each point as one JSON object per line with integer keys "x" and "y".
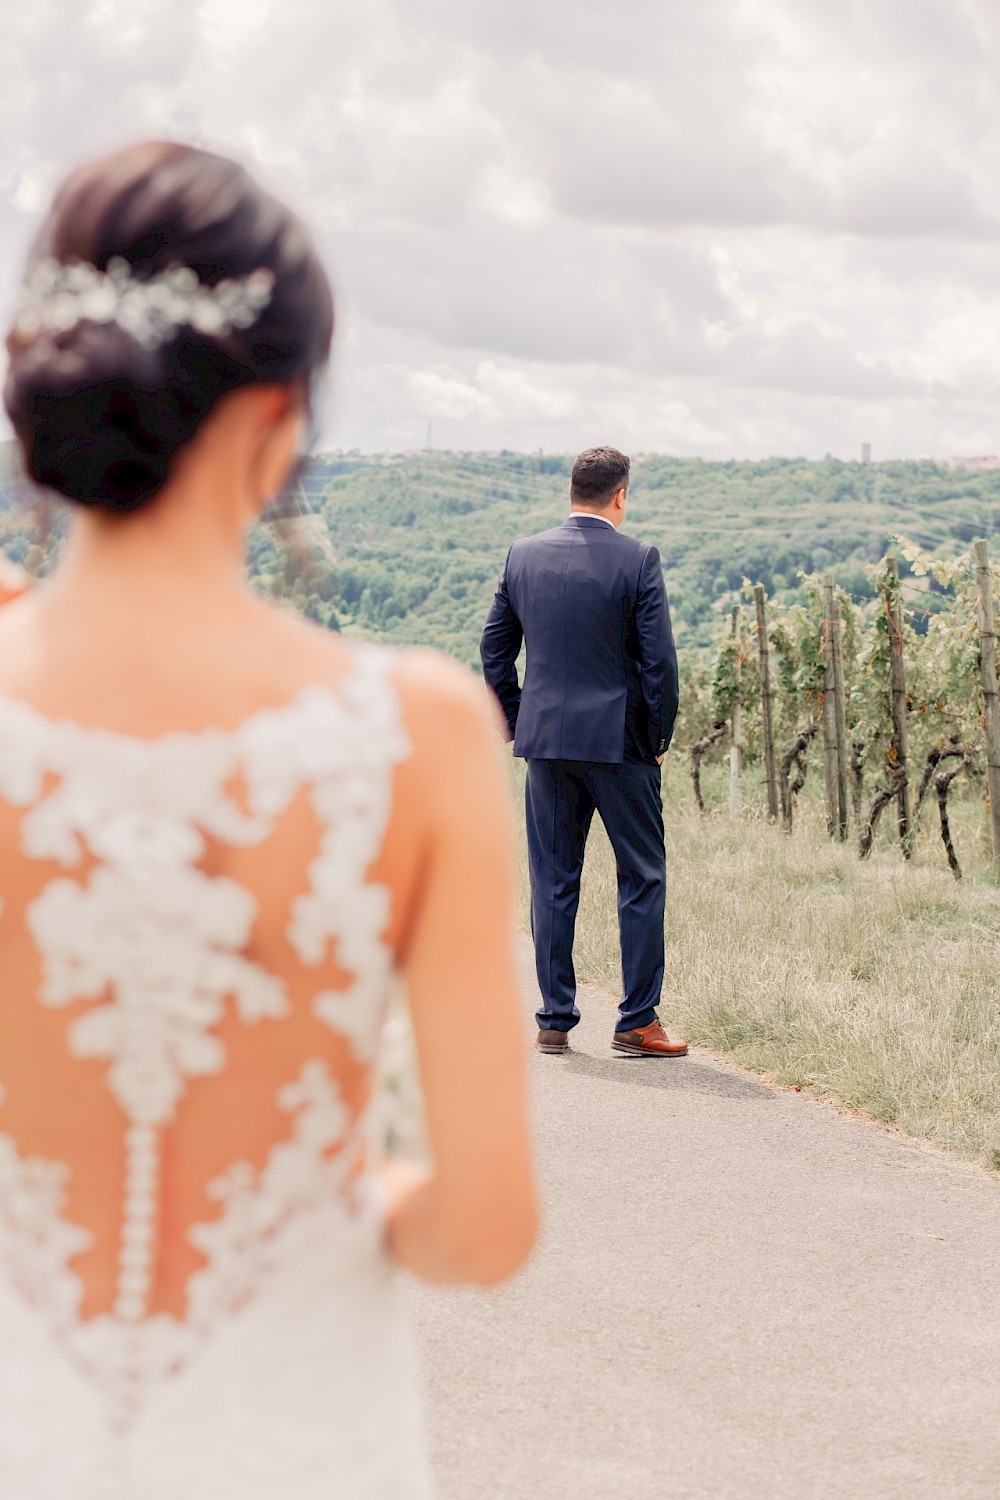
{"x": 101, "y": 406}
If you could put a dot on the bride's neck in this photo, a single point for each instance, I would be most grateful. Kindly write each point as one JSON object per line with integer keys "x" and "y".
{"x": 184, "y": 550}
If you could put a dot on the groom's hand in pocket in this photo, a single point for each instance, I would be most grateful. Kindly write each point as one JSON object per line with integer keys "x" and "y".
{"x": 660, "y": 759}
{"x": 500, "y": 721}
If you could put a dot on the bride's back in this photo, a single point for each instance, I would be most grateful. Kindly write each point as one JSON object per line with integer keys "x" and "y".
{"x": 191, "y": 924}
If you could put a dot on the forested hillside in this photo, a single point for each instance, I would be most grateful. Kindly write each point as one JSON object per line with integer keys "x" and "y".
{"x": 416, "y": 541}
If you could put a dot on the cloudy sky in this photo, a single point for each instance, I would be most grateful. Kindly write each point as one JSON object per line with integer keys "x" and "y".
{"x": 731, "y": 228}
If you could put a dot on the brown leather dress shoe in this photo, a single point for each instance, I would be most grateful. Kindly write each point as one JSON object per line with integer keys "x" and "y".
{"x": 552, "y": 1041}
{"x": 648, "y": 1041}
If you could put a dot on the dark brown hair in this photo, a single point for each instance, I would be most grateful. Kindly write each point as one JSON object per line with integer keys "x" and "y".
{"x": 100, "y": 417}
{"x": 597, "y": 474}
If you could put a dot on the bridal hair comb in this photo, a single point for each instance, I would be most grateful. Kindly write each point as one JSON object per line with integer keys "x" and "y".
{"x": 57, "y": 296}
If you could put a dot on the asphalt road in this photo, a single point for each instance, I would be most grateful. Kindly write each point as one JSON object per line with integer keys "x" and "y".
{"x": 739, "y": 1295}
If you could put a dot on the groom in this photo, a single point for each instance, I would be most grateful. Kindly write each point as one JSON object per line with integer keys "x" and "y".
{"x": 593, "y": 721}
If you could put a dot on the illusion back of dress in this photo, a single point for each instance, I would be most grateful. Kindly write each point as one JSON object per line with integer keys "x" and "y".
{"x": 194, "y": 1300}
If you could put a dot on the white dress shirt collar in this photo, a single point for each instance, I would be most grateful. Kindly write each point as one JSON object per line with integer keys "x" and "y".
{"x": 593, "y": 517}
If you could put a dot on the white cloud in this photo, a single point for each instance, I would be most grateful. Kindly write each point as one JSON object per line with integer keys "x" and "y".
{"x": 734, "y": 227}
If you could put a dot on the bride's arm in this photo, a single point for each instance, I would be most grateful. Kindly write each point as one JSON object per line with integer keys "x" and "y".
{"x": 473, "y": 1216}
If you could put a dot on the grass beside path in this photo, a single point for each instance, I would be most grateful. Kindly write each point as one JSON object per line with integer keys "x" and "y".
{"x": 875, "y": 985}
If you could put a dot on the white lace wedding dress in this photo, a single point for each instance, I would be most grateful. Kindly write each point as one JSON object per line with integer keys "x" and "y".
{"x": 194, "y": 1301}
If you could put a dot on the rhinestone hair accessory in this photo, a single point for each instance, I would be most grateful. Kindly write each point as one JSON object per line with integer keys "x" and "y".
{"x": 58, "y": 296}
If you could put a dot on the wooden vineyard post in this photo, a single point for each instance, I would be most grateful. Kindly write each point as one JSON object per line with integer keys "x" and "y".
{"x": 898, "y": 680}
{"x": 988, "y": 672}
{"x": 857, "y": 778}
{"x": 697, "y": 751}
{"x": 767, "y": 715}
{"x": 831, "y": 610}
{"x": 794, "y": 755}
{"x": 735, "y": 741}
{"x": 828, "y": 721}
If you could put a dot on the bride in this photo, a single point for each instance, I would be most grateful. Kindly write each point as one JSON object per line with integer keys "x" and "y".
{"x": 223, "y": 834}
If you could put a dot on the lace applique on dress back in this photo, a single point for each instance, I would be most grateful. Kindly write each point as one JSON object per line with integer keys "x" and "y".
{"x": 157, "y": 946}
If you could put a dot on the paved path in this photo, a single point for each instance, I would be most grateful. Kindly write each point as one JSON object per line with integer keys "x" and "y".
{"x": 739, "y": 1295}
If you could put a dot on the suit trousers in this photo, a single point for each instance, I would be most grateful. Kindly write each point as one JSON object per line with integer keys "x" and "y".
{"x": 560, "y": 799}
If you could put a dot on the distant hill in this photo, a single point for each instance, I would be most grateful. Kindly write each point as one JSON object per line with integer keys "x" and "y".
{"x": 418, "y": 539}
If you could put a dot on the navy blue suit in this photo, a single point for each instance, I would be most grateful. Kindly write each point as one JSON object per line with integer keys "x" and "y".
{"x": 597, "y": 707}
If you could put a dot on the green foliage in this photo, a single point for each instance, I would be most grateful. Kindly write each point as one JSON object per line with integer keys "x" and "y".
{"x": 869, "y": 703}
{"x": 735, "y": 679}
{"x": 944, "y": 693}
{"x": 412, "y": 544}
{"x": 940, "y": 651}
{"x": 407, "y": 548}
{"x": 439, "y": 526}
{"x": 795, "y": 634}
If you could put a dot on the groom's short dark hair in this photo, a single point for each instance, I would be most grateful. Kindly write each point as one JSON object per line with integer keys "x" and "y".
{"x": 597, "y": 474}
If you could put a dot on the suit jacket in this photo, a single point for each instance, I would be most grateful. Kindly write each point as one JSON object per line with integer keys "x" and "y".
{"x": 600, "y": 682}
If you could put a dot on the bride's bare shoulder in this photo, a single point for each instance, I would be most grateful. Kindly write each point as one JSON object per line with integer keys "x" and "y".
{"x": 445, "y": 705}
{"x": 441, "y": 700}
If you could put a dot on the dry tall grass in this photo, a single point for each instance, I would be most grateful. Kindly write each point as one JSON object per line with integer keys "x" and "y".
{"x": 876, "y": 985}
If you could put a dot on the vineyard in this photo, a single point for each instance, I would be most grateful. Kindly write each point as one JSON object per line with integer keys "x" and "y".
{"x": 874, "y": 680}
{"x": 847, "y": 700}
{"x": 891, "y": 703}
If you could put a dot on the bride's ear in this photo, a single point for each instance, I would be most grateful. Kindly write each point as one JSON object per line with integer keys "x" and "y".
{"x": 282, "y": 416}
{"x": 14, "y": 581}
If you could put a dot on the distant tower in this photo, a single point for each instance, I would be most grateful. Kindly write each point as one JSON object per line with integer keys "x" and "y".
{"x": 430, "y": 433}
{"x": 866, "y": 453}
